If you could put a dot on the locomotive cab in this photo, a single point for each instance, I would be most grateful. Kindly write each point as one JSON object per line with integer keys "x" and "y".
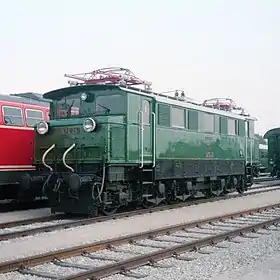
{"x": 86, "y": 131}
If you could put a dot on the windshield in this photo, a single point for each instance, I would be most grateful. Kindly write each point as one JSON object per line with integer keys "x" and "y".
{"x": 66, "y": 107}
{"x": 95, "y": 103}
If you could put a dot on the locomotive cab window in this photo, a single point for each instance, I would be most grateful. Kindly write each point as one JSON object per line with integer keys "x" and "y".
{"x": 12, "y": 116}
{"x": 110, "y": 104}
{"x": 67, "y": 106}
{"x": 33, "y": 117}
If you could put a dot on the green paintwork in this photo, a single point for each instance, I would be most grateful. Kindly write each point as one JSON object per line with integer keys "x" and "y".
{"x": 181, "y": 144}
{"x": 117, "y": 136}
{"x": 273, "y": 154}
{"x": 90, "y": 147}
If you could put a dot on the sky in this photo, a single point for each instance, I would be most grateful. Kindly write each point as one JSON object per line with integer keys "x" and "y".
{"x": 210, "y": 49}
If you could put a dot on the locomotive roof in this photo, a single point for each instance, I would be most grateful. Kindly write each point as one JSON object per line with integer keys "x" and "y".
{"x": 272, "y": 132}
{"x": 26, "y": 98}
{"x": 58, "y": 93}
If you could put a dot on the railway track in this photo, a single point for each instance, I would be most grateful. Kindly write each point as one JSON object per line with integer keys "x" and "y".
{"x": 28, "y": 227}
{"x": 265, "y": 179}
{"x": 12, "y": 205}
{"x": 168, "y": 242}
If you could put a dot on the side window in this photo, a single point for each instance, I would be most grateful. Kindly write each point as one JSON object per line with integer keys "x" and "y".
{"x": 33, "y": 117}
{"x": 113, "y": 104}
{"x": 12, "y": 116}
{"x": 217, "y": 123}
{"x": 193, "y": 120}
{"x": 231, "y": 127}
{"x": 241, "y": 128}
{"x": 206, "y": 122}
{"x": 146, "y": 111}
{"x": 223, "y": 125}
{"x": 163, "y": 115}
{"x": 251, "y": 129}
{"x": 178, "y": 117}
{"x": 246, "y": 128}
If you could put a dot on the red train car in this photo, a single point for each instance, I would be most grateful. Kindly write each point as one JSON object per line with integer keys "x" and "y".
{"x": 18, "y": 115}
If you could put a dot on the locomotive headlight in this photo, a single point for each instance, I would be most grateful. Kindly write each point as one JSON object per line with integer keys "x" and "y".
{"x": 89, "y": 125}
{"x": 42, "y": 128}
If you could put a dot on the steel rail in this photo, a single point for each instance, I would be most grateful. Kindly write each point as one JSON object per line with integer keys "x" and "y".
{"x": 88, "y": 221}
{"x": 173, "y": 251}
{"x": 31, "y": 261}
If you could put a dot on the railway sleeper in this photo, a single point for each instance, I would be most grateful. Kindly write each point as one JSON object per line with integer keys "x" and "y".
{"x": 119, "y": 250}
{"x": 72, "y": 265}
{"x": 136, "y": 243}
{"x": 102, "y": 258}
{"x": 182, "y": 258}
{"x": 168, "y": 241}
{"x": 133, "y": 274}
{"x": 204, "y": 252}
{"x": 35, "y": 272}
{"x": 158, "y": 265}
{"x": 247, "y": 236}
{"x": 219, "y": 246}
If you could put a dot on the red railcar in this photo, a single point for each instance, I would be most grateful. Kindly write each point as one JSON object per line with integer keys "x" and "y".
{"x": 18, "y": 115}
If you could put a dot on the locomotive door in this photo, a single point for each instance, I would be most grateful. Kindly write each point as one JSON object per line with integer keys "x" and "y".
{"x": 249, "y": 138}
{"x": 147, "y": 132}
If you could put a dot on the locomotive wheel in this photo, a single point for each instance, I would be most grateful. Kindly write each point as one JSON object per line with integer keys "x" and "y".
{"x": 109, "y": 210}
{"x": 208, "y": 194}
{"x": 240, "y": 190}
{"x": 147, "y": 205}
{"x": 215, "y": 190}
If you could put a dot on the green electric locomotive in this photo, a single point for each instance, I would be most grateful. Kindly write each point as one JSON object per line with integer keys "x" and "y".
{"x": 110, "y": 144}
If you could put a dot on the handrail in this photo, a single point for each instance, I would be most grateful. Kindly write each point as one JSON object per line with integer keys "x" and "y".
{"x": 154, "y": 139}
{"x": 141, "y": 140}
{"x": 44, "y": 157}
{"x": 64, "y": 157}
{"x": 246, "y": 142}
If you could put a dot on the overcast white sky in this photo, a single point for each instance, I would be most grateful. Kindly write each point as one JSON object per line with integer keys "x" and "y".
{"x": 211, "y": 48}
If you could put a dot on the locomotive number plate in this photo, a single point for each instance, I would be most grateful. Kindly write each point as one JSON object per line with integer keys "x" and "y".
{"x": 69, "y": 130}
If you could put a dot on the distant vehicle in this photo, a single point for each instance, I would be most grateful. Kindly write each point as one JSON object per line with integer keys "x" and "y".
{"x": 18, "y": 115}
{"x": 264, "y": 164}
{"x": 273, "y": 155}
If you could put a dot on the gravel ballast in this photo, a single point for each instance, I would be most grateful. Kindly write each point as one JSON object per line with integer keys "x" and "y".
{"x": 251, "y": 259}
{"x": 256, "y": 259}
{"x": 30, "y": 245}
